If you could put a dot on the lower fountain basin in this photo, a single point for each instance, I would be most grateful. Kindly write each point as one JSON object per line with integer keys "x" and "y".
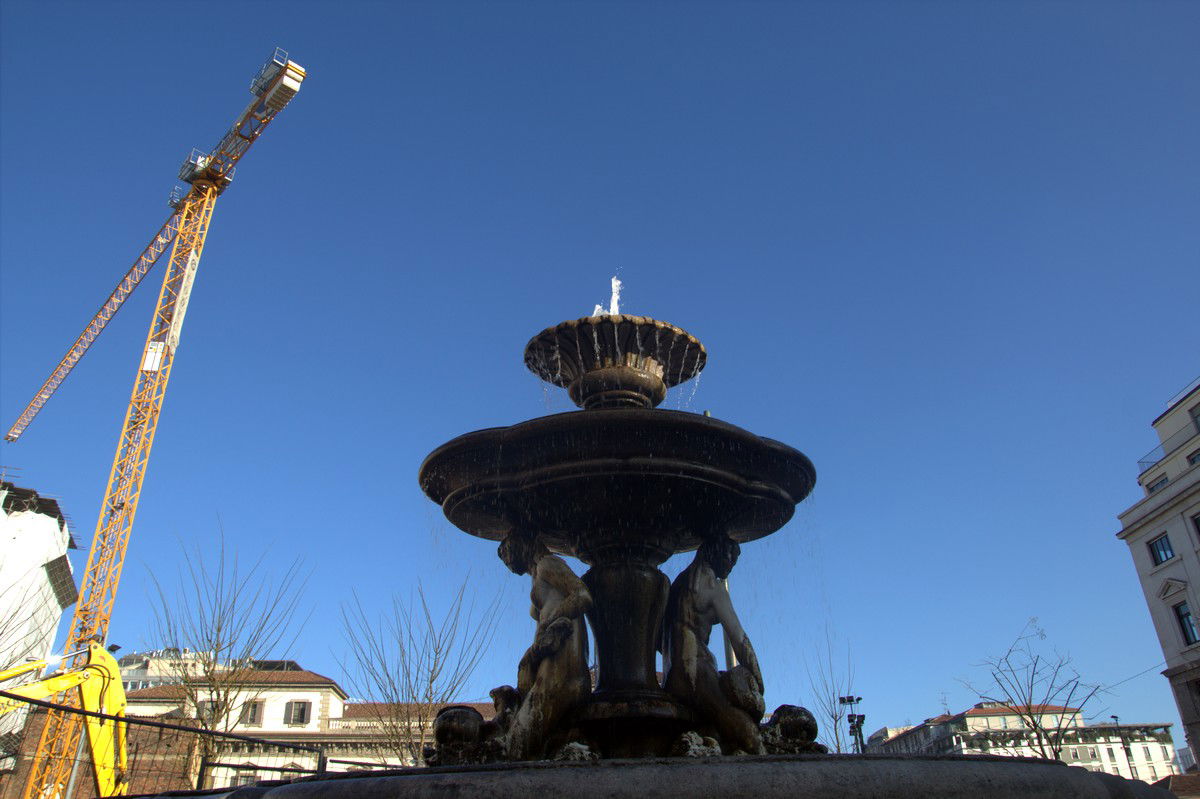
{"x": 812, "y": 776}
{"x": 587, "y": 481}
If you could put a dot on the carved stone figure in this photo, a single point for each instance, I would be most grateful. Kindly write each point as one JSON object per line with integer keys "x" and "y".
{"x": 552, "y": 678}
{"x": 731, "y": 703}
{"x": 792, "y": 730}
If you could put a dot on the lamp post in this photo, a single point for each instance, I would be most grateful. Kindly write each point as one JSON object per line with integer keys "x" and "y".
{"x": 1124, "y": 745}
{"x": 855, "y": 720}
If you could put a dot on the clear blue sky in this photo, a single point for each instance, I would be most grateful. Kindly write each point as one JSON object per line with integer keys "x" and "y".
{"x": 949, "y": 250}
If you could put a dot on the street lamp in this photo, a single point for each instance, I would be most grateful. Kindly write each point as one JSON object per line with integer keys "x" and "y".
{"x": 1124, "y": 744}
{"x": 855, "y": 720}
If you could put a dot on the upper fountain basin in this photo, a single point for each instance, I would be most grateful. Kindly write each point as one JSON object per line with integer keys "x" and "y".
{"x": 620, "y": 479}
{"x": 615, "y": 360}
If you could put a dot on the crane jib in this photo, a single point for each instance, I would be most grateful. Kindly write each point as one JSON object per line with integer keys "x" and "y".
{"x": 186, "y": 230}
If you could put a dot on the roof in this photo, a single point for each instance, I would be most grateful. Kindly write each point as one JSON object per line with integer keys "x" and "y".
{"x": 1181, "y": 785}
{"x": 157, "y": 692}
{"x": 1000, "y": 709}
{"x": 17, "y": 500}
{"x": 996, "y": 709}
{"x": 253, "y": 678}
{"x": 1188, "y": 390}
{"x": 373, "y": 710}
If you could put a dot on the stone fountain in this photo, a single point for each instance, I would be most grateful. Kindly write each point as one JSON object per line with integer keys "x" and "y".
{"x": 622, "y": 485}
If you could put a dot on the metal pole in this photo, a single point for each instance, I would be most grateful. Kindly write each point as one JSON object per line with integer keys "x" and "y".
{"x": 75, "y": 766}
{"x": 202, "y": 772}
{"x": 74, "y": 777}
{"x": 730, "y": 657}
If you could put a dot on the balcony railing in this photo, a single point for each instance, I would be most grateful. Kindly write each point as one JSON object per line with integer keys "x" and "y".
{"x": 1169, "y": 446}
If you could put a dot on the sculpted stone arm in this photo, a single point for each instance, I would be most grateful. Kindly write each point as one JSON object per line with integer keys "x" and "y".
{"x": 577, "y": 600}
{"x": 738, "y": 639}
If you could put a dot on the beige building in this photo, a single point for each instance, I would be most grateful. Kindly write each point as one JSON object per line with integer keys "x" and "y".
{"x": 287, "y": 704}
{"x": 1163, "y": 533}
{"x": 1139, "y": 751}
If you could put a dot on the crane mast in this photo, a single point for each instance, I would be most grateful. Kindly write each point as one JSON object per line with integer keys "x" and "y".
{"x": 209, "y": 174}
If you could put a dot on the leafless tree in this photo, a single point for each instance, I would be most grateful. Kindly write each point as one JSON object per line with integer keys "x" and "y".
{"x": 224, "y": 616}
{"x": 1037, "y": 686}
{"x": 409, "y": 663}
{"x": 829, "y": 680}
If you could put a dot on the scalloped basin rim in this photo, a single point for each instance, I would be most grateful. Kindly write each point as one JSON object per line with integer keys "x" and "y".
{"x": 673, "y": 473}
{"x": 669, "y": 426}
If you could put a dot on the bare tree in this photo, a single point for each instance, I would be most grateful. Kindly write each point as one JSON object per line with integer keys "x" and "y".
{"x": 1043, "y": 689}
{"x": 27, "y": 631}
{"x": 409, "y": 664}
{"x": 829, "y": 681}
{"x": 220, "y": 618}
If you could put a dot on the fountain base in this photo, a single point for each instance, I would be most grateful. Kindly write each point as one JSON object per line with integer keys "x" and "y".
{"x": 633, "y": 723}
{"x": 756, "y": 777}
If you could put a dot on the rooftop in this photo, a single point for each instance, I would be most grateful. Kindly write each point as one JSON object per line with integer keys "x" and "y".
{"x": 19, "y": 500}
{"x": 256, "y": 678}
{"x": 372, "y": 710}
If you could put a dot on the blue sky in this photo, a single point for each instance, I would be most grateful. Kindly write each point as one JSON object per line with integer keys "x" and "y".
{"x": 948, "y": 250}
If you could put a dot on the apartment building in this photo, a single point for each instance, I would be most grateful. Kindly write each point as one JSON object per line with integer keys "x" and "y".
{"x": 1162, "y": 531}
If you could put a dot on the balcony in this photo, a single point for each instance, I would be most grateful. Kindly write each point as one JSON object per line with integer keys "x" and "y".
{"x": 1175, "y": 442}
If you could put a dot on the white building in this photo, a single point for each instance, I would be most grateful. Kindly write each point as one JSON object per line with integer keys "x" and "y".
{"x": 284, "y": 703}
{"x": 158, "y": 667}
{"x": 36, "y": 586}
{"x": 1139, "y": 751}
{"x": 1163, "y": 533}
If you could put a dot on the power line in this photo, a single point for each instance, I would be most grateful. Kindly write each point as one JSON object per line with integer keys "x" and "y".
{"x": 1134, "y": 677}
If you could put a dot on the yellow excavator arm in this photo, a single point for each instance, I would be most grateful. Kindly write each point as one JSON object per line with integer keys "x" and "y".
{"x": 100, "y": 691}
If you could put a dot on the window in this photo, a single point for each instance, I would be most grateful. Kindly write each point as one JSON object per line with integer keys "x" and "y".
{"x": 1146, "y": 753}
{"x": 252, "y": 713}
{"x": 1153, "y": 774}
{"x": 1194, "y": 458}
{"x": 1111, "y": 757}
{"x": 244, "y": 779}
{"x": 1157, "y": 484}
{"x": 1160, "y": 549}
{"x": 1166, "y": 754}
{"x": 1074, "y": 753}
{"x": 206, "y": 711}
{"x": 1196, "y": 523}
{"x": 1133, "y": 771}
{"x": 1092, "y": 752}
{"x": 1183, "y": 615}
{"x": 58, "y": 571}
{"x": 296, "y": 712}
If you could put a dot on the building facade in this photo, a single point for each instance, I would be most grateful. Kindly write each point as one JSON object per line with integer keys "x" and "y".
{"x": 281, "y": 702}
{"x": 1137, "y": 751}
{"x": 1162, "y": 531}
{"x": 36, "y": 586}
{"x": 158, "y": 667}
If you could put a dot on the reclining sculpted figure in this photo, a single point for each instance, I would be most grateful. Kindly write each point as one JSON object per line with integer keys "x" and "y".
{"x": 730, "y": 701}
{"x": 552, "y": 678}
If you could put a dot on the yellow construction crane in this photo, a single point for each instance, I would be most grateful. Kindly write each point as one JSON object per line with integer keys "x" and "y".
{"x": 208, "y": 175}
{"x": 99, "y": 684}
